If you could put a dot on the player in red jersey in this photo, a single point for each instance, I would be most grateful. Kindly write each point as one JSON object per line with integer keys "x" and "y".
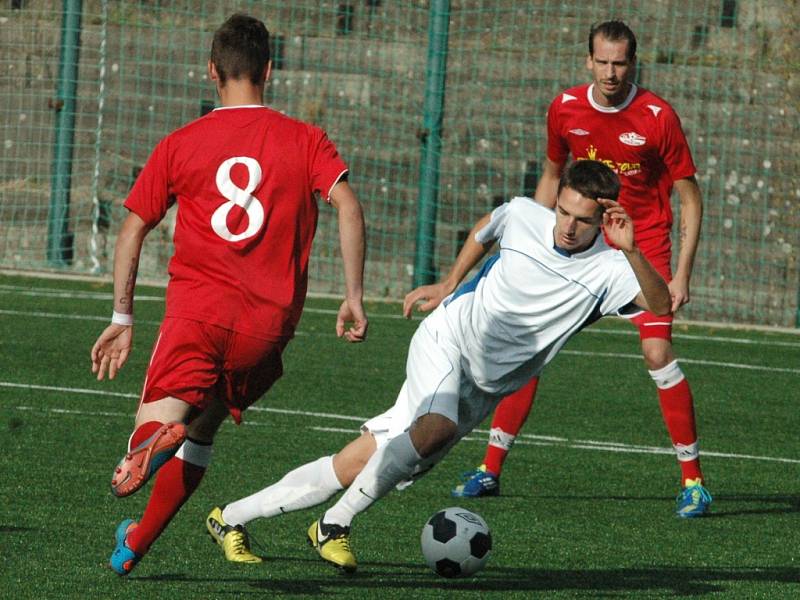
{"x": 244, "y": 178}
{"x": 639, "y": 136}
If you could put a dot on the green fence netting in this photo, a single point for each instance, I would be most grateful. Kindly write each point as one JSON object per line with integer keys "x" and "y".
{"x": 365, "y": 71}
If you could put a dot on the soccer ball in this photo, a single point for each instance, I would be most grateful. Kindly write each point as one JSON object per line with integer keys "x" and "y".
{"x": 456, "y": 542}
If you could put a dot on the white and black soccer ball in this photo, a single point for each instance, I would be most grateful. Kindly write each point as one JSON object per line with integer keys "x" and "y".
{"x": 456, "y": 542}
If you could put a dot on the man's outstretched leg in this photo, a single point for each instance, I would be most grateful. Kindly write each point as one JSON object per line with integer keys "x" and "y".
{"x": 509, "y": 417}
{"x": 304, "y": 487}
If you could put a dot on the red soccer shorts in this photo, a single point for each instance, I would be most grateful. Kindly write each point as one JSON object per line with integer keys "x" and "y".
{"x": 197, "y": 362}
{"x": 658, "y": 252}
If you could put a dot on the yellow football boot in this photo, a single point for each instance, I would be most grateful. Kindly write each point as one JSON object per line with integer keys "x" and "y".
{"x": 234, "y": 540}
{"x": 333, "y": 544}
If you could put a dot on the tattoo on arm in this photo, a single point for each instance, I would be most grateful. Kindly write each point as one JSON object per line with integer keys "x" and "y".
{"x": 683, "y": 233}
{"x": 130, "y": 283}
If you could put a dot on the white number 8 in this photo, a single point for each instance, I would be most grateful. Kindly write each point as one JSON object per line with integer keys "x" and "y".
{"x": 238, "y": 197}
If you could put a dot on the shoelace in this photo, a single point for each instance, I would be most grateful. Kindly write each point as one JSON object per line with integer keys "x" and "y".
{"x": 344, "y": 540}
{"x": 239, "y": 541}
{"x": 702, "y": 492}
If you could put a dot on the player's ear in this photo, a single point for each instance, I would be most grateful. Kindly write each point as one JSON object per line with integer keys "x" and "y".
{"x": 589, "y": 61}
{"x": 212, "y": 71}
{"x": 267, "y": 71}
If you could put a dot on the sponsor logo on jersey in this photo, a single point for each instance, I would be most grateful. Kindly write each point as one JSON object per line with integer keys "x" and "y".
{"x": 632, "y": 138}
{"x": 567, "y": 97}
{"x": 579, "y": 132}
{"x": 620, "y": 168}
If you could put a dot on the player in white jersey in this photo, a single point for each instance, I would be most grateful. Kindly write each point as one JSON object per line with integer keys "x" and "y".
{"x": 553, "y": 275}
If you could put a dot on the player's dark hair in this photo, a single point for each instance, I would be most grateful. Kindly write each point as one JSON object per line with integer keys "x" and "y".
{"x": 614, "y": 31}
{"x": 241, "y": 49}
{"x": 591, "y": 179}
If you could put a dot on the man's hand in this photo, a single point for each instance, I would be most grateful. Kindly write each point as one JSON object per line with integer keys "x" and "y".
{"x": 352, "y": 311}
{"x": 431, "y": 294}
{"x": 679, "y": 291}
{"x": 618, "y": 225}
{"x": 111, "y": 350}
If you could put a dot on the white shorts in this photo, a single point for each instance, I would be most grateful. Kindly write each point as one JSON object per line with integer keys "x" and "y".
{"x": 435, "y": 383}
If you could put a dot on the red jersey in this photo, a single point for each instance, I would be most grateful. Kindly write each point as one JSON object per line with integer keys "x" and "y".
{"x": 641, "y": 140}
{"x": 244, "y": 180}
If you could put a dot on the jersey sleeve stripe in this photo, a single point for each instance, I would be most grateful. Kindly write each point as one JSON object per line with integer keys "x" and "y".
{"x": 333, "y": 185}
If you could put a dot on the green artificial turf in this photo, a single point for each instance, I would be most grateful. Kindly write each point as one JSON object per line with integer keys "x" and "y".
{"x": 587, "y": 503}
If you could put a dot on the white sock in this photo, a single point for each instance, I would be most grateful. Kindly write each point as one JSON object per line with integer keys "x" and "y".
{"x": 304, "y": 487}
{"x": 668, "y": 376}
{"x": 390, "y": 465}
{"x": 195, "y": 453}
{"x": 500, "y": 439}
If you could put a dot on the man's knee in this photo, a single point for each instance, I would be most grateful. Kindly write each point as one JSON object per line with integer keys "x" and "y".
{"x": 351, "y": 459}
{"x": 657, "y": 353}
{"x": 432, "y": 432}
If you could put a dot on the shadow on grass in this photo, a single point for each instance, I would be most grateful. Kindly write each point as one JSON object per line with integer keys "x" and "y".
{"x": 375, "y": 576}
{"x": 788, "y": 504}
{"x": 767, "y": 503}
{"x": 15, "y": 529}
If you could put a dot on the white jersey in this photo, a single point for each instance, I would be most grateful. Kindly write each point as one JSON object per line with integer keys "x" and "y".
{"x": 526, "y": 302}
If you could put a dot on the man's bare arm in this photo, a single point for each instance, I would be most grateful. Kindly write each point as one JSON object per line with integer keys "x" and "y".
{"x": 690, "y": 224}
{"x": 547, "y": 188}
{"x": 352, "y": 240}
{"x": 471, "y": 252}
{"x": 654, "y": 295}
{"x": 111, "y": 350}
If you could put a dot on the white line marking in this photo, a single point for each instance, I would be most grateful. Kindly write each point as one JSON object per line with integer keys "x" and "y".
{"x": 78, "y": 294}
{"x": 83, "y": 413}
{"x": 130, "y": 415}
{"x": 48, "y": 315}
{"x": 28, "y": 313}
{"x": 689, "y": 361}
{"x": 303, "y": 413}
{"x": 303, "y": 333}
{"x": 701, "y": 338}
{"x": 54, "y": 388}
{"x": 546, "y": 441}
{"x": 527, "y": 439}
{"x": 523, "y": 439}
{"x": 70, "y": 294}
{"x": 336, "y": 430}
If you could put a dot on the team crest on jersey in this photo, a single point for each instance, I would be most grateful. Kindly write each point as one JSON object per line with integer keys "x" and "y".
{"x": 631, "y": 138}
{"x": 579, "y": 131}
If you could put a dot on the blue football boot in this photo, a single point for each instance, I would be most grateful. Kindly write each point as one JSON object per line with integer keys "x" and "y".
{"x": 693, "y": 501}
{"x": 123, "y": 559}
{"x": 477, "y": 483}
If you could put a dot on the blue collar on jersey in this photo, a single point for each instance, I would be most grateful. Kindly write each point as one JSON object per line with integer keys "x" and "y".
{"x": 568, "y": 254}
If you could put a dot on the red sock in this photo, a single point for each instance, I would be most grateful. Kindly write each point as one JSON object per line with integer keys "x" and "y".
{"x": 175, "y": 482}
{"x": 677, "y": 407}
{"x": 509, "y": 417}
{"x": 144, "y": 431}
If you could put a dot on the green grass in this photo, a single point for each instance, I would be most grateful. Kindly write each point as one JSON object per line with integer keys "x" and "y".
{"x": 574, "y": 520}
